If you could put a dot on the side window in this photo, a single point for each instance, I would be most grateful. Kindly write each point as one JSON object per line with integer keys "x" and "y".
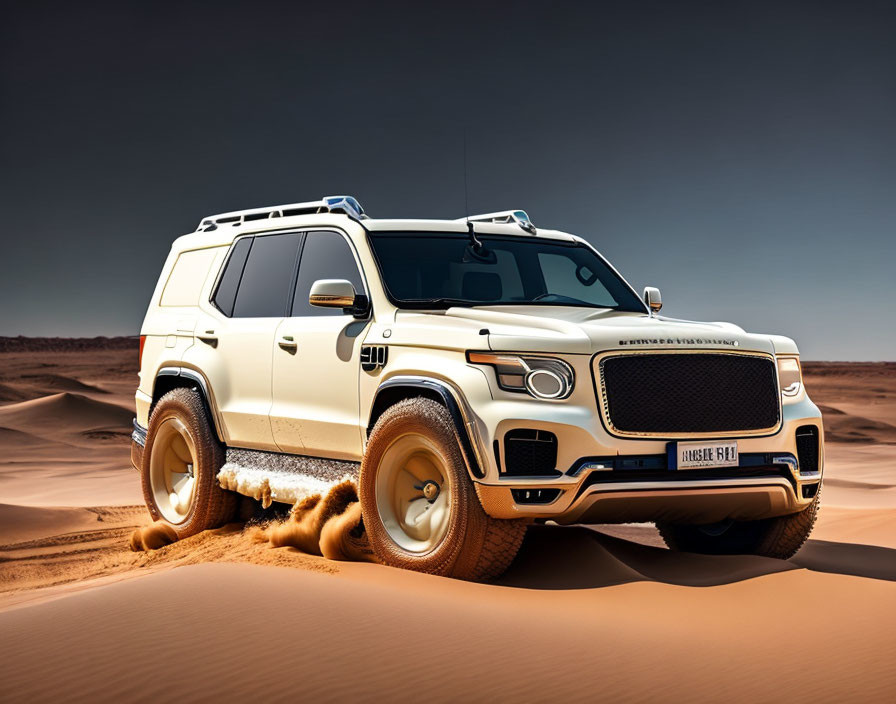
{"x": 230, "y": 279}
{"x": 326, "y": 255}
{"x": 267, "y": 275}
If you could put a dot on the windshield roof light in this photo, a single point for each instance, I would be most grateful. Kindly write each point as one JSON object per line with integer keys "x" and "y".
{"x": 348, "y": 205}
{"x": 505, "y": 217}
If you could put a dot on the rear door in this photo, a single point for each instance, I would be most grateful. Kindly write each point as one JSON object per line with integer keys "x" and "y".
{"x": 235, "y": 335}
{"x": 316, "y": 367}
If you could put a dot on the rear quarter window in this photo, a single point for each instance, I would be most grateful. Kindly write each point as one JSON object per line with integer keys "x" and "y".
{"x": 187, "y": 277}
{"x": 230, "y": 278}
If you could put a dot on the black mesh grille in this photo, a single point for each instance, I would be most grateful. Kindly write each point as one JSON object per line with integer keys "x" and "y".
{"x": 807, "y": 448}
{"x": 530, "y": 452}
{"x": 690, "y": 393}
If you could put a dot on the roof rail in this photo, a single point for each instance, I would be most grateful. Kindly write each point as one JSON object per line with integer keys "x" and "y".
{"x": 346, "y": 205}
{"x": 509, "y": 217}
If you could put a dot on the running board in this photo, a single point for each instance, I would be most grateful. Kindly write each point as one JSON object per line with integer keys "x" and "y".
{"x": 272, "y": 476}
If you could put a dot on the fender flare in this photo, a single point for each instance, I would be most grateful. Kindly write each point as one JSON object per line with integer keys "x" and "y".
{"x": 449, "y": 397}
{"x": 199, "y": 380}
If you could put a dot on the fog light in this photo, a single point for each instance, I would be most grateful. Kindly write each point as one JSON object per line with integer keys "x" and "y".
{"x": 544, "y": 383}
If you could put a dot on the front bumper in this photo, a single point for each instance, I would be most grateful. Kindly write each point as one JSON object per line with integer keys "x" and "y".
{"x": 682, "y": 496}
{"x": 634, "y": 483}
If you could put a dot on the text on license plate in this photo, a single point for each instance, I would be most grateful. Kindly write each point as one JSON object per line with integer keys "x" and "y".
{"x": 719, "y": 453}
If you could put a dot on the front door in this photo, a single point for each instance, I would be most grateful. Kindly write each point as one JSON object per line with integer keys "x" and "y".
{"x": 316, "y": 407}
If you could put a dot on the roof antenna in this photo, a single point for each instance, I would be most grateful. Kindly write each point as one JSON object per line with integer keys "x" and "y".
{"x": 477, "y": 245}
{"x": 466, "y": 192}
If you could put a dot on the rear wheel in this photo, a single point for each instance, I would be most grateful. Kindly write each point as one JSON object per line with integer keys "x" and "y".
{"x": 779, "y": 537}
{"x": 418, "y": 504}
{"x": 180, "y": 466}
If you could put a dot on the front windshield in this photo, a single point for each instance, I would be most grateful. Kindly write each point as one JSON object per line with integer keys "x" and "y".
{"x": 439, "y": 270}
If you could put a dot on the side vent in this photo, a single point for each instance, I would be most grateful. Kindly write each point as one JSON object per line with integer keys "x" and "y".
{"x": 374, "y": 357}
{"x": 807, "y": 448}
{"x": 529, "y": 452}
{"x": 534, "y": 496}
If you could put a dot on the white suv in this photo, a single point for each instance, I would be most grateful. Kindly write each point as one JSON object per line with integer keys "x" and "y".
{"x": 472, "y": 376}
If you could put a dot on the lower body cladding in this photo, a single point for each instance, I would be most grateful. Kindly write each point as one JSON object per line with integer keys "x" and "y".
{"x": 770, "y": 476}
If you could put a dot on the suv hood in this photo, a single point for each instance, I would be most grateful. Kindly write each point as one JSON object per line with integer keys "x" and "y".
{"x": 570, "y": 330}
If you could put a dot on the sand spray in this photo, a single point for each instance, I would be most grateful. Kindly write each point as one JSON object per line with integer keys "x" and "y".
{"x": 329, "y": 525}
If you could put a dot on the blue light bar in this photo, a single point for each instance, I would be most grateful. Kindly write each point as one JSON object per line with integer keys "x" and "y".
{"x": 345, "y": 204}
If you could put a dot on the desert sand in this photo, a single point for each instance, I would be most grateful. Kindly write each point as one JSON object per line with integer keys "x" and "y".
{"x": 585, "y": 613}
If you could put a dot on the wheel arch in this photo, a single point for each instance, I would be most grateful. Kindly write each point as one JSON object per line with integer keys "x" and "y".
{"x": 399, "y": 388}
{"x": 170, "y": 378}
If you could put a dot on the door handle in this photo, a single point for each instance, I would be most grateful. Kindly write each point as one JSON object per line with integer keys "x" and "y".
{"x": 209, "y": 338}
{"x": 288, "y": 343}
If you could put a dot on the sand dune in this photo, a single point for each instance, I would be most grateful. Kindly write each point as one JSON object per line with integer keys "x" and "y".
{"x": 12, "y": 394}
{"x": 16, "y": 439}
{"x": 65, "y": 414}
{"x": 856, "y": 400}
{"x": 585, "y": 612}
{"x": 23, "y": 523}
{"x": 842, "y": 426}
{"x": 45, "y": 384}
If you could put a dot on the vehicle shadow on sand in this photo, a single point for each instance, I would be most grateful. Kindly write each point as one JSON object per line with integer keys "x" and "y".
{"x": 580, "y": 557}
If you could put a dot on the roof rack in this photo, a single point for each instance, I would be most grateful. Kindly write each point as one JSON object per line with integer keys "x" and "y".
{"x": 509, "y": 217}
{"x": 346, "y": 205}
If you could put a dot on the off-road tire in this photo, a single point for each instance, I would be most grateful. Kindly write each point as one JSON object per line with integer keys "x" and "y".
{"x": 475, "y": 546}
{"x": 212, "y": 506}
{"x": 779, "y": 537}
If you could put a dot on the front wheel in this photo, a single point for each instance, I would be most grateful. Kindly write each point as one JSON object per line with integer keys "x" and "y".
{"x": 779, "y": 537}
{"x": 419, "y": 506}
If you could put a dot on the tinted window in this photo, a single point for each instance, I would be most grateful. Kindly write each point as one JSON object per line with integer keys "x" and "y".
{"x": 435, "y": 270}
{"x": 565, "y": 278}
{"x": 326, "y": 255}
{"x": 230, "y": 279}
{"x": 264, "y": 288}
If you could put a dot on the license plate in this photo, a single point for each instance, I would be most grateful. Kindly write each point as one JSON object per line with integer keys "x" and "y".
{"x": 716, "y": 453}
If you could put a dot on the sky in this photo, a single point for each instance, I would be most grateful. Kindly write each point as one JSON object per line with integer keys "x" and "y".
{"x": 741, "y": 156}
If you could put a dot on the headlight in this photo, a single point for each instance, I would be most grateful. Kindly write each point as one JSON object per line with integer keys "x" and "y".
{"x": 791, "y": 375}
{"x": 541, "y": 377}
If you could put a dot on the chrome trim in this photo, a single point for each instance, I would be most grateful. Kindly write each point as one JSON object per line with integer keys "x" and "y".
{"x": 809, "y": 477}
{"x": 600, "y": 390}
{"x": 521, "y": 361}
{"x": 730, "y": 483}
{"x": 138, "y": 435}
{"x": 187, "y": 373}
{"x": 332, "y": 293}
{"x": 327, "y": 301}
{"x": 789, "y": 460}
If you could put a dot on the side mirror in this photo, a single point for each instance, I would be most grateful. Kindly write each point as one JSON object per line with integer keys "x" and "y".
{"x": 338, "y": 293}
{"x": 653, "y": 299}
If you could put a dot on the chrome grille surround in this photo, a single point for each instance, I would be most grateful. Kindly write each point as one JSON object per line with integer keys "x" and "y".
{"x": 603, "y": 401}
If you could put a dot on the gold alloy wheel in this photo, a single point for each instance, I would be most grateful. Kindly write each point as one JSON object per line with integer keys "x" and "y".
{"x": 413, "y": 493}
{"x": 172, "y": 470}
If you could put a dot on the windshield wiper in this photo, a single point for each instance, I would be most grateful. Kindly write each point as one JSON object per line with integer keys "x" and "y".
{"x": 442, "y": 301}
